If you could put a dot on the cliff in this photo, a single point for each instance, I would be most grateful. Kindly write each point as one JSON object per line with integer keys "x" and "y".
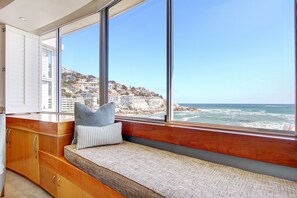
{"x": 128, "y": 99}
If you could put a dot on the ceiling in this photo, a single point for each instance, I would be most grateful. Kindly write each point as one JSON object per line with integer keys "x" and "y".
{"x": 43, "y": 16}
{"x": 119, "y": 8}
{"x": 36, "y": 13}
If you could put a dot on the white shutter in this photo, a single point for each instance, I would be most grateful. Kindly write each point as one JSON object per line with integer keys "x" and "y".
{"x": 22, "y": 71}
{"x": 2, "y": 69}
{"x": 32, "y": 73}
{"x": 15, "y": 80}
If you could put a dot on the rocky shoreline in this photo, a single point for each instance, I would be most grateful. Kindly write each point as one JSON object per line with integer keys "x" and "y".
{"x": 133, "y": 111}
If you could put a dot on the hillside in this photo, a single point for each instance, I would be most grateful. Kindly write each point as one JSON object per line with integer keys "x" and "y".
{"x": 128, "y": 99}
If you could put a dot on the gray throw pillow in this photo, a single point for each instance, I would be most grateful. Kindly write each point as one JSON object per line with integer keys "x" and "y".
{"x": 89, "y": 136}
{"x": 85, "y": 116}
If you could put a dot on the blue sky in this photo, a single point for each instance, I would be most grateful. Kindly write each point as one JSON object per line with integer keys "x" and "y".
{"x": 226, "y": 51}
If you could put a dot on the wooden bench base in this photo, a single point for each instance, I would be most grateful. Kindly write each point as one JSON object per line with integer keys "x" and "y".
{"x": 59, "y": 177}
{"x": 62, "y": 180}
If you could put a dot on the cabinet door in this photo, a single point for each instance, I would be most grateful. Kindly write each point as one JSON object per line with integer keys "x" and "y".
{"x": 22, "y": 153}
{"x": 67, "y": 189}
{"x": 86, "y": 195}
{"x": 48, "y": 180}
{"x": 15, "y": 150}
{"x": 30, "y": 157}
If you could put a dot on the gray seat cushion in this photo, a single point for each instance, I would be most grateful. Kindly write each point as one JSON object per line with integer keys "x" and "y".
{"x": 139, "y": 171}
{"x": 85, "y": 116}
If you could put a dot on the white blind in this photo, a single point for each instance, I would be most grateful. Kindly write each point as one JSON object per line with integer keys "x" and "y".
{"x": 2, "y": 64}
{"x": 22, "y": 71}
{"x": 15, "y": 50}
{"x": 32, "y": 73}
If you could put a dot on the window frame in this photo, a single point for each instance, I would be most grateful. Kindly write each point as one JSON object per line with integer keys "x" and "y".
{"x": 103, "y": 66}
{"x": 53, "y": 79}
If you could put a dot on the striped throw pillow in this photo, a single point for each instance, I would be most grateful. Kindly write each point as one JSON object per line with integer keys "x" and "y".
{"x": 90, "y": 136}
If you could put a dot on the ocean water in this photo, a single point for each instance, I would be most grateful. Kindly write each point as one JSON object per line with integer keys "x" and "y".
{"x": 263, "y": 116}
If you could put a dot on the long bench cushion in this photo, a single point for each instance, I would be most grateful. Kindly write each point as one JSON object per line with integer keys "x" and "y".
{"x": 139, "y": 171}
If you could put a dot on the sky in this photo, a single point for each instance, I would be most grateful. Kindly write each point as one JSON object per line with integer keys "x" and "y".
{"x": 225, "y": 51}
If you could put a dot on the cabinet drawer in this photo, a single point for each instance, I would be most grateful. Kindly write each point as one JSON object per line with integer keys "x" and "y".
{"x": 67, "y": 189}
{"x": 48, "y": 180}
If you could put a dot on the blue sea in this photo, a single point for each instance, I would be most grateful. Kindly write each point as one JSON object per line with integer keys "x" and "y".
{"x": 261, "y": 116}
{"x": 264, "y": 116}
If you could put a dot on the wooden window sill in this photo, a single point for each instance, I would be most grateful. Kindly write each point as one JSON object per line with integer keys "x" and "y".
{"x": 276, "y": 149}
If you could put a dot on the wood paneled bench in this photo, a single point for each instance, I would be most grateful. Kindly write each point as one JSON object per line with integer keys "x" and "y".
{"x": 35, "y": 149}
{"x": 135, "y": 170}
{"x": 62, "y": 179}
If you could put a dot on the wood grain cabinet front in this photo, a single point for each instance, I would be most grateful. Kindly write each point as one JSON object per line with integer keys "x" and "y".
{"x": 58, "y": 186}
{"x": 22, "y": 153}
{"x": 67, "y": 189}
{"x": 48, "y": 180}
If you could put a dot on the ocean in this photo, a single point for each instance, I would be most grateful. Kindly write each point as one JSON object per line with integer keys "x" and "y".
{"x": 263, "y": 116}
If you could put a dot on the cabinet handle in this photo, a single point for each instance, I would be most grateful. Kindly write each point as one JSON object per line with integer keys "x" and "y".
{"x": 9, "y": 138}
{"x": 7, "y": 135}
{"x": 53, "y": 179}
{"x": 58, "y": 183}
{"x": 34, "y": 146}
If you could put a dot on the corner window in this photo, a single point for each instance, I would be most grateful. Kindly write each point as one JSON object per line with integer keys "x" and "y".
{"x": 80, "y": 64}
{"x": 234, "y": 63}
{"x": 49, "y": 72}
{"x": 137, "y": 61}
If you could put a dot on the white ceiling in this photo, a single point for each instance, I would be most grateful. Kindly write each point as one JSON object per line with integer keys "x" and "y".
{"x": 38, "y": 13}
{"x": 119, "y": 8}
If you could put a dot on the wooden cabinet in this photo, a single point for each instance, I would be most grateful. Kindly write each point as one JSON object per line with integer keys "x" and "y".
{"x": 67, "y": 189}
{"x": 58, "y": 186}
{"x": 48, "y": 179}
{"x": 35, "y": 148}
{"x": 22, "y": 153}
{"x": 86, "y": 195}
{"x": 14, "y": 150}
{"x": 31, "y": 163}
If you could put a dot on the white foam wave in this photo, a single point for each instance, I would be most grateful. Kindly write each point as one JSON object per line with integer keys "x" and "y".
{"x": 269, "y": 125}
{"x": 274, "y": 106}
{"x": 239, "y": 112}
{"x": 188, "y": 118}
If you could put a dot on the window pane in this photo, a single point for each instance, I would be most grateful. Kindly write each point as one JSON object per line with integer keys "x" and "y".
{"x": 137, "y": 64}
{"x": 80, "y": 64}
{"x": 49, "y": 72}
{"x": 234, "y": 63}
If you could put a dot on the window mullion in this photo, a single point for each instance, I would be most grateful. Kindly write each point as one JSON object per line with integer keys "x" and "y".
{"x": 169, "y": 51}
{"x": 103, "y": 81}
{"x": 58, "y": 72}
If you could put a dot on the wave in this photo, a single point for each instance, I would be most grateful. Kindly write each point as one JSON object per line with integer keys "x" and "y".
{"x": 270, "y": 125}
{"x": 274, "y": 106}
{"x": 239, "y": 112}
{"x": 188, "y": 118}
{"x": 243, "y": 117}
{"x": 240, "y": 117}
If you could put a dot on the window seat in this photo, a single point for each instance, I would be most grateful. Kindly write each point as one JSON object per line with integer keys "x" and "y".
{"x": 140, "y": 171}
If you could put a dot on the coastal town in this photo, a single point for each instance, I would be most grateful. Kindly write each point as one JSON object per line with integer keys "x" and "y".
{"x": 129, "y": 100}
